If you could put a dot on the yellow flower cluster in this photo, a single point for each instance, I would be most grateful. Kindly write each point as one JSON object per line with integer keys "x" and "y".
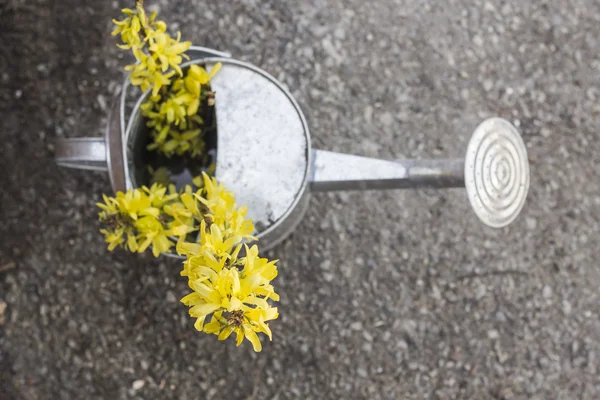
{"x": 172, "y": 109}
{"x": 230, "y": 289}
{"x": 140, "y": 218}
{"x": 176, "y": 126}
{"x": 154, "y": 68}
{"x": 152, "y": 216}
{"x": 230, "y": 283}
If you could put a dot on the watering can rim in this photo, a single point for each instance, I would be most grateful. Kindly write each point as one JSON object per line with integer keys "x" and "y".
{"x": 301, "y": 191}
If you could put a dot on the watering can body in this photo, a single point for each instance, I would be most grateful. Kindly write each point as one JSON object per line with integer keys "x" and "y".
{"x": 264, "y": 155}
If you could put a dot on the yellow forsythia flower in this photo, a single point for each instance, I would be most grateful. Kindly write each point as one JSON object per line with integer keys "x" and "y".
{"x": 173, "y": 106}
{"x": 230, "y": 289}
{"x": 138, "y": 32}
{"x": 135, "y": 219}
{"x": 230, "y": 283}
{"x": 176, "y": 127}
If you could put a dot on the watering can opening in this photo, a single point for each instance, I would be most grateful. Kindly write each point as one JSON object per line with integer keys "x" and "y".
{"x": 262, "y": 143}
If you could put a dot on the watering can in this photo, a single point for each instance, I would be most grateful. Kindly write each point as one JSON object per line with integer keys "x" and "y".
{"x": 265, "y": 156}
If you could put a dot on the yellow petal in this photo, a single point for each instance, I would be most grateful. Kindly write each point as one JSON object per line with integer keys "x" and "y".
{"x": 135, "y": 24}
{"x": 234, "y": 304}
{"x": 189, "y": 203}
{"x": 271, "y": 313}
{"x": 214, "y": 70}
{"x": 193, "y": 107}
{"x": 216, "y": 234}
{"x": 188, "y": 248}
{"x": 209, "y": 294}
{"x": 191, "y": 298}
{"x": 188, "y": 135}
{"x": 226, "y": 332}
{"x": 142, "y": 247}
{"x": 179, "y": 47}
{"x": 257, "y": 301}
{"x": 266, "y": 330}
{"x": 236, "y": 252}
{"x": 197, "y": 181}
{"x": 203, "y": 309}
{"x": 132, "y": 243}
{"x": 155, "y": 251}
{"x": 253, "y": 338}
{"x": 170, "y": 146}
{"x": 192, "y": 85}
{"x": 112, "y": 245}
{"x": 239, "y": 336}
{"x": 181, "y": 230}
{"x": 250, "y": 283}
{"x": 214, "y": 326}
{"x": 155, "y": 212}
{"x": 209, "y": 272}
{"x": 199, "y": 324}
{"x": 232, "y": 241}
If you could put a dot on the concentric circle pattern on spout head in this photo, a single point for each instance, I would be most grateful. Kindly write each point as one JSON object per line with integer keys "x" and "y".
{"x": 496, "y": 172}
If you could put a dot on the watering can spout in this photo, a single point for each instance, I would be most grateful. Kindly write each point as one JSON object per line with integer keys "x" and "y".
{"x": 495, "y": 172}
{"x": 336, "y": 171}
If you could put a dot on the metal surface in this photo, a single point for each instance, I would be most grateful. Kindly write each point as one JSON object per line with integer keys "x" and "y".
{"x": 97, "y": 154}
{"x": 336, "y": 171}
{"x": 82, "y": 153}
{"x": 497, "y": 172}
{"x": 114, "y": 155}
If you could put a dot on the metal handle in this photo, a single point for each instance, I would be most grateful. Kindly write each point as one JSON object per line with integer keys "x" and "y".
{"x": 82, "y": 153}
{"x": 98, "y": 153}
{"x": 495, "y": 172}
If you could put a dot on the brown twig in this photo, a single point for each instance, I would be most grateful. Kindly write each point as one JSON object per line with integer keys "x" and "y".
{"x": 8, "y": 266}
{"x": 492, "y": 273}
{"x": 256, "y": 385}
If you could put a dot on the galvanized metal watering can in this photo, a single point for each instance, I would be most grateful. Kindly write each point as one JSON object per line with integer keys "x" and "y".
{"x": 265, "y": 156}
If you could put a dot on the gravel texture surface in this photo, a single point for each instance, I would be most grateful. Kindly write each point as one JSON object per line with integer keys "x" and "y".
{"x": 392, "y": 295}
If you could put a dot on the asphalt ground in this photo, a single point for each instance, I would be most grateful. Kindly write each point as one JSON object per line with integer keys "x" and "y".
{"x": 384, "y": 294}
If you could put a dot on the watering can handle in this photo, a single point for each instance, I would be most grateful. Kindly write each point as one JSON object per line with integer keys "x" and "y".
{"x": 82, "y": 153}
{"x": 96, "y": 153}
